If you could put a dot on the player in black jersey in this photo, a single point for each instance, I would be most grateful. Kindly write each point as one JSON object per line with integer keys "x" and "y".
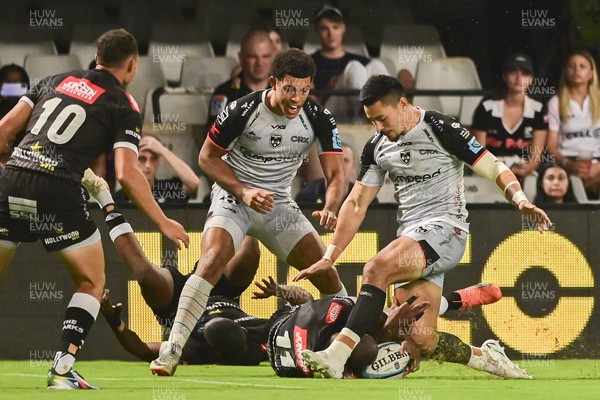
{"x": 69, "y": 120}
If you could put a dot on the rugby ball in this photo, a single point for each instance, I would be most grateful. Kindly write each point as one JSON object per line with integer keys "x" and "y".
{"x": 389, "y": 363}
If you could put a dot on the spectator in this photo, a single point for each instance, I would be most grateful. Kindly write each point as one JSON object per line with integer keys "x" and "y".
{"x": 574, "y": 120}
{"x": 314, "y": 192}
{"x": 511, "y": 125}
{"x": 174, "y": 190}
{"x": 553, "y": 186}
{"x": 256, "y": 55}
{"x": 14, "y": 83}
{"x": 338, "y": 69}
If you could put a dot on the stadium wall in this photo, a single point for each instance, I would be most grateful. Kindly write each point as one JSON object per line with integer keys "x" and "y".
{"x": 548, "y": 280}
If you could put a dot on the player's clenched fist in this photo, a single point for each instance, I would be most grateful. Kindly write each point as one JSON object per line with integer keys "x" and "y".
{"x": 259, "y": 200}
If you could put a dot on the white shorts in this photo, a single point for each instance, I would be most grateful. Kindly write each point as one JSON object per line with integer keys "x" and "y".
{"x": 443, "y": 246}
{"x": 279, "y": 230}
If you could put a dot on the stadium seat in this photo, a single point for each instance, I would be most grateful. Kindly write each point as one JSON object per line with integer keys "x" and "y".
{"x": 189, "y": 108}
{"x": 206, "y": 73}
{"x": 83, "y": 40}
{"x": 353, "y": 41}
{"x": 234, "y": 39}
{"x": 39, "y": 66}
{"x": 449, "y": 73}
{"x": 18, "y": 40}
{"x": 407, "y": 45}
{"x": 579, "y": 190}
{"x": 171, "y": 44}
{"x": 148, "y": 78}
{"x": 140, "y": 16}
{"x": 530, "y": 186}
{"x": 481, "y": 190}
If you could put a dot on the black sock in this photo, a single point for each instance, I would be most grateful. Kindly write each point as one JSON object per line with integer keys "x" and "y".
{"x": 76, "y": 326}
{"x": 451, "y": 349}
{"x": 454, "y": 301}
{"x": 224, "y": 287}
{"x": 366, "y": 312}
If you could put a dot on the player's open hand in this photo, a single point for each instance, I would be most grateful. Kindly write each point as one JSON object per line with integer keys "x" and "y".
{"x": 401, "y": 317}
{"x": 327, "y": 219}
{"x": 536, "y": 215}
{"x": 268, "y": 288}
{"x": 174, "y": 231}
{"x": 320, "y": 266}
{"x": 259, "y": 200}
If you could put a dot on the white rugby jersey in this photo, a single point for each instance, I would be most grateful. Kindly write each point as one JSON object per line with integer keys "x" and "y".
{"x": 426, "y": 166}
{"x": 265, "y": 150}
{"x": 578, "y": 133}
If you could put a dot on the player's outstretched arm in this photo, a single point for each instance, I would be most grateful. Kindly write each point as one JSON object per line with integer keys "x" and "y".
{"x": 137, "y": 188}
{"x": 128, "y": 338}
{"x": 333, "y": 170}
{"x": 294, "y": 295}
{"x": 351, "y": 216}
{"x": 493, "y": 169}
{"x": 211, "y": 162}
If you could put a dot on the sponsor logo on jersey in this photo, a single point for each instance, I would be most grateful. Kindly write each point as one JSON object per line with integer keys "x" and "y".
{"x": 335, "y": 139}
{"x": 303, "y": 122}
{"x": 405, "y": 156}
{"x": 334, "y": 312}
{"x": 73, "y": 235}
{"x": 135, "y": 133}
{"x": 299, "y": 139}
{"x": 279, "y": 158}
{"x": 232, "y": 105}
{"x": 246, "y": 107}
{"x": 300, "y": 340}
{"x": 278, "y": 126}
{"x": 223, "y": 115}
{"x": 275, "y": 140}
{"x": 428, "y": 151}
{"x": 415, "y": 178}
{"x": 217, "y": 104}
{"x": 455, "y": 125}
{"x": 80, "y": 89}
{"x": 404, "y": 143}
{"x": 252, "y": 136}
{"x": 229, "y": 199}
{"x": 474, "y": 145}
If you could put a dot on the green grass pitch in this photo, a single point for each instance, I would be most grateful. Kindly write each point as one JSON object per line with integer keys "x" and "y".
{"x": 554, "y": 379}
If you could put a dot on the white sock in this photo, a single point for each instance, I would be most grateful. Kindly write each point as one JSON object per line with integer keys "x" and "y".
{"x": 443, "y": 306}
{"x": 340, "y": 351}
{"x": 63, "y": 362}
{"x": 475, "y": 362}
{"x": 192, "y": 304}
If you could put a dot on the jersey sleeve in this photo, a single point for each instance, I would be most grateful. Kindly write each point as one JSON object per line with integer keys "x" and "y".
{"x": 128, "y": 126}
{"x": 553, "y": 114}
{"x": 370, "y": 173}
{"x": 231, "y": 121}
{"x": 35, "y": 93}
{"x": 479, "y": 117}
{"x": 324, "y": 127}
{"x": 454, "y": 137}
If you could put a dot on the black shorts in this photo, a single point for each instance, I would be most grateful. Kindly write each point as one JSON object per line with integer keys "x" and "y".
{"x": 35, "y": 205}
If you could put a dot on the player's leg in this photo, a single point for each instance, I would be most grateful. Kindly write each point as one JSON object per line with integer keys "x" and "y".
{"x": 308, "y": 251}
{"x": 240, "y": 270}
{"x": 470, "y": 297}
{"x": 85, "y": 264}
{"x": 400, "y": 261}
{"x": 156, "y": 284}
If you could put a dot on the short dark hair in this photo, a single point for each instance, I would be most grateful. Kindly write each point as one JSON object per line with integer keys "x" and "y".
{"x": 293, "y": 62}
{"x": 227, "y": 338}
{"x": 7, "y": 69}
{"x": 114, "y": 47}
{"x": 384, "y": 88}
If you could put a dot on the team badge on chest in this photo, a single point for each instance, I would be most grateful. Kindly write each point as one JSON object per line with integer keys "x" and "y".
{"x": 275, "y": 139}
{"x": 405, "y": 156}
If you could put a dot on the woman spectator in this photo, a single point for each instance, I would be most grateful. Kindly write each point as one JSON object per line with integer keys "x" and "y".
{"x": 511, "y": 125}
{"x": 574, "y": 120}
{"x": 553, "y": 186}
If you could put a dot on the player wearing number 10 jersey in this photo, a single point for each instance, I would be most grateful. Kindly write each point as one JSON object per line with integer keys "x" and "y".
{"x": 69, "y": 120}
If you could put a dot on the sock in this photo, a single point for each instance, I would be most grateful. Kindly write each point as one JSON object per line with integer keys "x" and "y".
{"x": 116, "y": 222}
{"x": 340, "y": 351}
{"x": 443, "y": 306}
{"x": 365, "y": 315}
{"x": 224, "y": 287}
{"x": 476, "y": 361}
{"x": 451, "y": 349}
{"x": 454, "y": 301}
{"x": 79, "y": 318}
{"x": 342, "y": 292}
{"x": 192, "y": 304}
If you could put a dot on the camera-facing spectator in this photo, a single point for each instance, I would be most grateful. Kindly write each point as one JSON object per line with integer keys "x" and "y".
{"x": 554, "y": 186}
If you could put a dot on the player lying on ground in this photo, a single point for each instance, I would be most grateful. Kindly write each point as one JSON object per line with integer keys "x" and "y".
{"x": 161, "y": 289}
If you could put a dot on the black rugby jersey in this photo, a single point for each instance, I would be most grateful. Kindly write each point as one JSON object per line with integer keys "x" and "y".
{"x": 76, "y": 116}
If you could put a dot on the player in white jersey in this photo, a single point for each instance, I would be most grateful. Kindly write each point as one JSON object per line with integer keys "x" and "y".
{"x": 423, "y": 152}
{"x": 252, "y": 152}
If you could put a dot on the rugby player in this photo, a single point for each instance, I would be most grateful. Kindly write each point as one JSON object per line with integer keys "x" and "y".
{"x": 424, "y": 153}
{"x": 253, "y": 152}
{"x": 69, "y": 120}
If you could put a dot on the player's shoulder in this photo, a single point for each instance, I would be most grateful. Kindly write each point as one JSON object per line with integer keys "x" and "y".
{"x": 314, "y": 109}
{"x": 440, "y": 123}
{"x": 370, "y": 148}
{"x": 241, "y": 108}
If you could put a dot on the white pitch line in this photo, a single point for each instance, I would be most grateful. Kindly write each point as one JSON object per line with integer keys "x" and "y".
{"x": 169, "y": 379}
